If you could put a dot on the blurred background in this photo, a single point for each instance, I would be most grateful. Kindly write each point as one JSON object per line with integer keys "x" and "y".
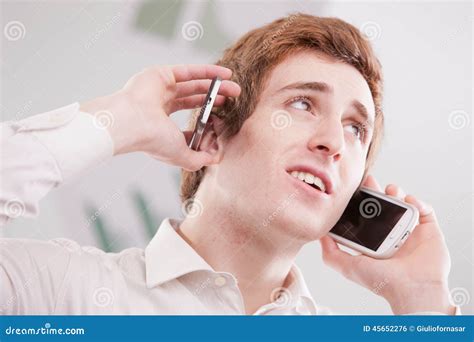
{"x": 55, "y": 53}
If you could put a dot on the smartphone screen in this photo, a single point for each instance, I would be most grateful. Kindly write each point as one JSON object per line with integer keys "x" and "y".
{"x": 368, "y": 220}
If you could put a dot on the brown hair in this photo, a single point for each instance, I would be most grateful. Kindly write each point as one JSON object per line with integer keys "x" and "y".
{"x": 254, "y": 55}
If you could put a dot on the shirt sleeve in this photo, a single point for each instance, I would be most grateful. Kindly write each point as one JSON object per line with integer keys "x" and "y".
{"x": 427, "y": 313}
{"x": 43, "y": 151}
{"x": 32, "y": 274}
{"x": 321, "y": 310}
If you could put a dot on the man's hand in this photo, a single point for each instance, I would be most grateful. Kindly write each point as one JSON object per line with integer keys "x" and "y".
{"x": 415, "y": 279}
{"x": 139, "y": 113}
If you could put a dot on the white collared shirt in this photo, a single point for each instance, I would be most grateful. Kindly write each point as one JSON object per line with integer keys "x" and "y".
{"x": 61, "y": 277}
{"x": 166, "y": 278}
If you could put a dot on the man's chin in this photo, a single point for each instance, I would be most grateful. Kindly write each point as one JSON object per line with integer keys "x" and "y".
{"x": 306, "y": 229}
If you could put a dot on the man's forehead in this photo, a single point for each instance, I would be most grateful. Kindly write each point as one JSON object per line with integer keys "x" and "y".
{"x": 311, "y": 67}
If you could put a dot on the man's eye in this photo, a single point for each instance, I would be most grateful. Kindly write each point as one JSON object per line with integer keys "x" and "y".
{"x": 301, "y": 104}
{"x": 358, "y": 130}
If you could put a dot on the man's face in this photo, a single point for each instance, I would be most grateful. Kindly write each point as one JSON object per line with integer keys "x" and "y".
{"x": 309, "y": 118}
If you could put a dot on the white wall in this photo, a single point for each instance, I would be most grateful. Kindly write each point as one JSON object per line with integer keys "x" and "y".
{"x": 74, "y": 51}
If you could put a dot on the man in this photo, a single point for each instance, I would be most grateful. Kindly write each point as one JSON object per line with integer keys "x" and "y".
{"x": 304, "y": 94}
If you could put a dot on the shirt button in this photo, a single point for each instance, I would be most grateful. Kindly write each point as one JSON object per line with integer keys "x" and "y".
{"x": 220, "y": 281}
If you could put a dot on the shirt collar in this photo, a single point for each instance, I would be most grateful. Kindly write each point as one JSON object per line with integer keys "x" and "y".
{"x": 168, "y": 256}
{"x": 299, "y": 291}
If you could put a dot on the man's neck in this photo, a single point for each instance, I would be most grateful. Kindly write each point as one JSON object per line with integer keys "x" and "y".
{"x": 256, "y": 257}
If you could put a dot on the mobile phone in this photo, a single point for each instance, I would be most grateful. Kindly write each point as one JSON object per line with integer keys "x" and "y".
{"x": 375, "y": 224}
{"x": 204, "y": 114}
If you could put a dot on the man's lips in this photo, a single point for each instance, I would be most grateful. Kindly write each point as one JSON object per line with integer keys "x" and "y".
{"x": 307, "y": 188}
{"x": 317, "y": 172}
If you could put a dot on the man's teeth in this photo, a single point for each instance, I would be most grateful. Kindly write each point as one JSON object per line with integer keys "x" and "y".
{"x": 309, "y": 178}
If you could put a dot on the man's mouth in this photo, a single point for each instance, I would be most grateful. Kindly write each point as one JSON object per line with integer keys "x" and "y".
{"x": 310, "y": 179}
{"x": 313, "y": 177}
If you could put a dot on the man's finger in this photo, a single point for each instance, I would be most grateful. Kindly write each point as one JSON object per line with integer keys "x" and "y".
{"x": 334, "y": 257}
{"x": 195, "y": 160}
{"x": 227, "y": 88}
{"x": 427, "y": 214}
{"x": 371, "y": 183}
{"x": 188, "y": 72}
{"x": 192, "y": 102}
{"x": 395, "y": 191}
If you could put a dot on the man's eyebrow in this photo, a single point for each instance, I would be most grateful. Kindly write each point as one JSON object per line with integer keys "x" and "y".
{"x": 326, "y": 88}
{"x": 317, "y": 86}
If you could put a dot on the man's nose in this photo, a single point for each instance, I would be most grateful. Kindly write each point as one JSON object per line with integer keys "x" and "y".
{"x": 328, "y": 138}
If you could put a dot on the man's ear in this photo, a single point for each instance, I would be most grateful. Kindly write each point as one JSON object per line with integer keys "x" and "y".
{"x": 210, "y": 142}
